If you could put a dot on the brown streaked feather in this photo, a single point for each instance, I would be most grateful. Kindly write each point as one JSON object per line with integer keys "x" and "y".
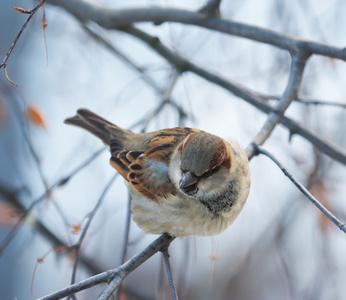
{"x": 99, "y": 126}
{"x": 221, "y": 156}
{"x": 100, "y": 133}
{"x": 162, "y": 145}
{"x": 132, "y": 164}
{"x": 141, "y": 159}
{"x": 119, "y": 166}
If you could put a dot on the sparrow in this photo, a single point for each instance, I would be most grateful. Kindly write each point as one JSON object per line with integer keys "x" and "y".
{"x": 183, "y": 181}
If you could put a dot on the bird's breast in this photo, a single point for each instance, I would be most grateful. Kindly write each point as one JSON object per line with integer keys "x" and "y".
{"x": 179, "y": 216}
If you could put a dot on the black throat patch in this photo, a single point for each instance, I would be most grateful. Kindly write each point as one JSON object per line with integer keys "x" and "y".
{"x": 223, "y": 202}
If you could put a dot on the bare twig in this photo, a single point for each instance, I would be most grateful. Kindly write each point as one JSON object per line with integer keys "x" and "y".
{"x": 44, "y": 25}
{"x": 165, "y": 94}
{"x": 104, "y": 17}
{"x": 125, "y": 243}
{"x": 114, "y": 276}
{"x": 296, "y": 74}
{"x": 183, "y": 64}
{"x": 207, "y": 17}
{"x": 13, "y": 196}
{"x": 78, "y": 245}
{"x": 308, "y": 101}
{"x": 127, "y": 229}
{"x": 33, "y": 152}
{"x": 324, "y": 210}
{"x": 169, "y": 273}
{"x": 150, "y": 81}
{"x": 166, "y": 99}
{"x": 120, "y": 18}
{"x": 211, "y": 8}
{"x": 58, "y": 183}
{"x": 8, "y": 54}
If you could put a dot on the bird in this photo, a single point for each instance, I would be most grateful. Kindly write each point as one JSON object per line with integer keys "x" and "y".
{"x": 183, "y": 181}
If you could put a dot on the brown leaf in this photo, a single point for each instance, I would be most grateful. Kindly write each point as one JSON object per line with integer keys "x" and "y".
{"x": 44, "y": 23}
{"x": 8, "y": 77}
{"x": 214, "y": 257}
{"x": 21, "y": 10}
{"x": 8, "y": 214}
{"x": 75, "y": 229}
{"x": 60, "y": 249}
{"x": 40, "y": 260}
{"x": 35, "y": 116}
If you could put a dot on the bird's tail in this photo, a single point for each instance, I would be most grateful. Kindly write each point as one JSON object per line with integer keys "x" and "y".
{"x": 98, "y": 126}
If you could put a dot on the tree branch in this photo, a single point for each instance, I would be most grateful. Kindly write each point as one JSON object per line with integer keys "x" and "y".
{"x": 182, "y": 64}
{"x": 306, "y": 101}
{"x": 335, "y": 220}
{"x": 85, "y": 11}
{"x": 31, "y": 13}
{"x": 211, "y": 8}
{"x": 58, "y": 183}
{"x": 86, "y": 227}
{"x": 169, "y": 272}
{"x": 119, "y": 18}
{"x": 296, "y": 74}
{"x": 114, "y": 276}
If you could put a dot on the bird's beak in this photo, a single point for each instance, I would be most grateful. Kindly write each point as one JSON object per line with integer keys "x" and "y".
{"x": 187, "y": 180}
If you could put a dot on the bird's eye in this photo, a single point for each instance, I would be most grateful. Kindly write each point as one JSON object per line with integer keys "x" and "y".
{"x": 210, "y": 172}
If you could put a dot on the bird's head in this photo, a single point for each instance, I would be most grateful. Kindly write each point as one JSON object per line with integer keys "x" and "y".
{"x": 204, "y": 165}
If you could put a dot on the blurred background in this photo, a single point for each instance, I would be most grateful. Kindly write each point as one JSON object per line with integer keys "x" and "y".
{"x": 280, "y": 246}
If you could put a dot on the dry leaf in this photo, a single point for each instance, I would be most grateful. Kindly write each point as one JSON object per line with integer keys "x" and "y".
{"x": 60, "y": 249}
{"x": 21, "y": 10}
{"x": 35, "y": 116}
{"x": 214, "y": 257}
{"x": 40, "y": 260}
{"x": 8, "y": 77}
{"x": 44, "y": 23}
{"x": 8, "y": 214}
{"x": 75, "y": 229}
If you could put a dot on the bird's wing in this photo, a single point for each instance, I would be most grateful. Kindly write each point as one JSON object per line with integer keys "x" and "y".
{"x": 148, "y": 171}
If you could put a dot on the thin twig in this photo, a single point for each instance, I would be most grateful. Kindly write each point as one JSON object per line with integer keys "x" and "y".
{"x": 166, "y": 99}
{"x": 56, "y": 241}
{"x": 324, "y": 210}
{"x": 8, "y": 54}
{"x": 125, "y": 243}
{"x": 127, "y": 229}
{"x": 84, "y": 10}
{"x": 77, "y": 246}
{"x": 33, "y": 152}
{"x": 182, "y": 64}
{"x": 296, "y": 74}
{"x": 44, "y": 26}
{"x": 104, "y": 17}
{"x": 211, "y": 8}
{"x": 114, "y": 276}
{"x": 150, "y": 81}
{"x": 169, "y": 273}
{"x": 158, "y": 245}
{"x": 119, "y": 18}
{"x": 164, "y": 93}
{"x": 58, "y": 183}
{"x": 307, "y": 101}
